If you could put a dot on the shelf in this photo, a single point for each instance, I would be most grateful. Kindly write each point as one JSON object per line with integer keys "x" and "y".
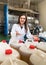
{"x": 1, "y": 3}
{"x": 22, "y": 10}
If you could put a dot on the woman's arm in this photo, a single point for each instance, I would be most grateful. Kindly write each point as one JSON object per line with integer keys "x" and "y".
{"x": 17, "y": 33}
{"x": 29, "y": 35}
{"x": 14, "y": 31}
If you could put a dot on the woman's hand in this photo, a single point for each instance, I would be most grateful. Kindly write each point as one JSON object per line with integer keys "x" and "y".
{"x": 36, "y": 38}
{"x": 17, "y": 33}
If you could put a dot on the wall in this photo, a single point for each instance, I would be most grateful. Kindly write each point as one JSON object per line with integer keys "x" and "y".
{"x": 42, "y": 11}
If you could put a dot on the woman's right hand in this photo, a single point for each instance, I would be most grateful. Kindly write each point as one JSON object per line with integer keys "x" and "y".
{"x": 17, "y": 33}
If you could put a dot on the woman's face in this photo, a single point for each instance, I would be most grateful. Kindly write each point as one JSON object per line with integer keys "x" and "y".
{"x": 22, "y": 19}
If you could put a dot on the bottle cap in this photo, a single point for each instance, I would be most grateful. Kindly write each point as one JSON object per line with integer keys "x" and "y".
{"x": 8, "y": 51}
{"x": 20, "y": 41}
{"x": 31, "y": 46}
{"x": 4, "y": 41}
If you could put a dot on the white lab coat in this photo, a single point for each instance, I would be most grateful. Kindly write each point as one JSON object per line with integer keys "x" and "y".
{"x": 16, "y": 27}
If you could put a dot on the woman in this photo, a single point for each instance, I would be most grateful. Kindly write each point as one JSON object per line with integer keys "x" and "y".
{"x": 20, "y": 30}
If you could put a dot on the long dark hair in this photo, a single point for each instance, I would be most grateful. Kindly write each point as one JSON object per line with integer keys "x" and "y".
{"x": 25, "y": 24}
